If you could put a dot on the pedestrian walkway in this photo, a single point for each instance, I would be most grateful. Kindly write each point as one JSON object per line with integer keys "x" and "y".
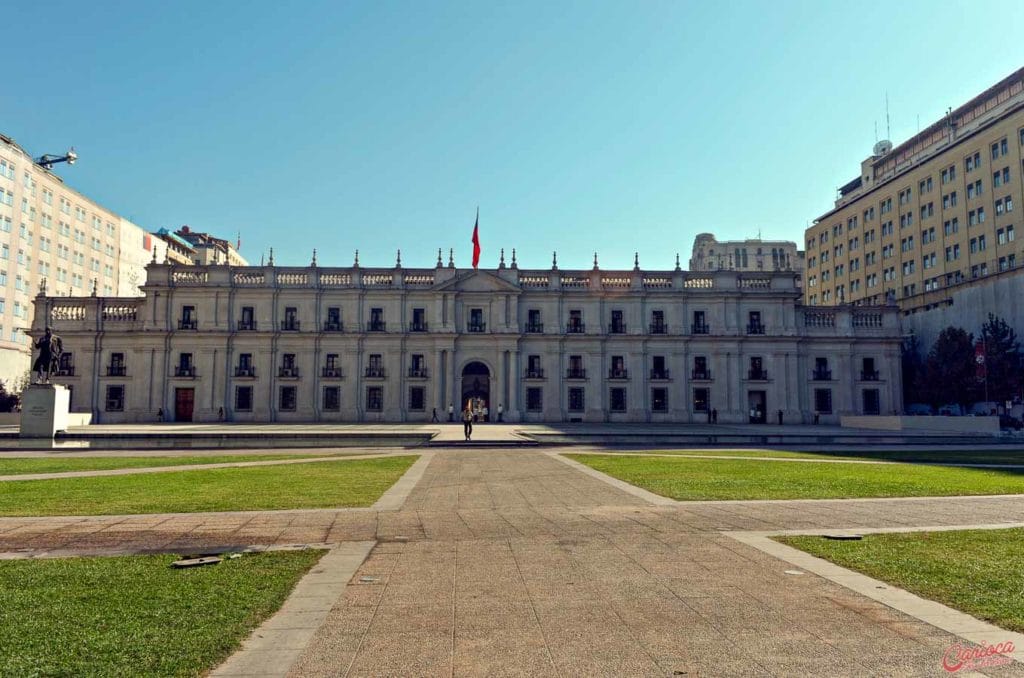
{"x": 516, "y": 563}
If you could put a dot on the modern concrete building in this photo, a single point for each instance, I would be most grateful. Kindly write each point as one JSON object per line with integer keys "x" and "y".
{"x": 51, "y": 232}
{"x": 938, "y": 212}
{"x": 356, "y": 344}
{"x": 752, "y": 254}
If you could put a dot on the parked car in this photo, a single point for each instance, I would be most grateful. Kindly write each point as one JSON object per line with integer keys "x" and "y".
{"x": 985, "y": 409}
{"x": 951, "y": 410}
{"x": 919, "y": 409}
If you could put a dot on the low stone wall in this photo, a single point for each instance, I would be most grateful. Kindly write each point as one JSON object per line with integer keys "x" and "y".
{"x": 10, "y": 418}
{"x": 983, "y": 425}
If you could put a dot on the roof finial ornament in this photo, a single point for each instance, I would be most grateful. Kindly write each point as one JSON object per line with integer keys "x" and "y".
{"x": 154, "y": 253}
{"x": 636, "y": 261}
{"x": 313, "y": 264}
{"x": 398, "y": 259}
{"x": 501, "y": 261}
{"x": 270, "y": 262}
{"x": 595, "y": 261}
{"x": 554, "y": 261}
{"x": 42, "y": 287}
{"x": 677, "y": 262}
{"x": 451, "y": 257}
{"x": 94, "y": 286}
{"x": 355, "y": 264}
{"x": 514, "y": 264}
{"x": 439, "y": 264}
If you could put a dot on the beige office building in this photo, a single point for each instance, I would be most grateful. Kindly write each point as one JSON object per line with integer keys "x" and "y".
{"x": 753, "y": 254}
{"x": 934, "y": 214}
{"x": 51, "y": 232}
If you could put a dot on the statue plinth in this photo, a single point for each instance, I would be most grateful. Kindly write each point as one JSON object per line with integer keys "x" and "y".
{"x": 44, "y": 410}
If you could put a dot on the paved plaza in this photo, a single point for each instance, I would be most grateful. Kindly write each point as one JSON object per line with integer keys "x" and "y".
{"x": 517, "y": 562}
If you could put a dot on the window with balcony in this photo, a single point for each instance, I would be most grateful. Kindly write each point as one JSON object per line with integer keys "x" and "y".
{"x": 700, "y": 325}
{"x": 476, "y": 321}
{"x": 575, "y": 325}
{"x": 754, "y": 325}
{"x": 618, "y": 368}
{"x": 289, "y": 368}
{"x": 700, "y": 368}
{"x": 576, "y": 400}
{"x": 287, "y": 398}
{"x": 291, "y": 319}
{"x": 375, "y": 366}
{"x": 533, "y": 368}
{"x": 618, "y": 325}
{"x": 243, "y": 398}
{"x": 248, "y": 320}
{"x": 757, "y": 371}
{"x": 575, "y": 370}
{"x": 117, "y": 366}
{"x": 821, "y": 371}
{"x": 533, "y": 323}
{"x": 332, "y": 367}
{"x": 419, "y": 320}
{"x": 245, "y": 368}
{"x": 658, "y": 369}
{"x": 332, "y": 398}
{"x": 376, "y": 323}
{"x": 115, "y": 398}
{"x": 333, "y": 322}
{"x": 658, "y": 325}
{"x": 868, "y": 371}
{"x": 418, "y": 367}
{"x": 185, "y": 368}
{"x": 188, "y": 318}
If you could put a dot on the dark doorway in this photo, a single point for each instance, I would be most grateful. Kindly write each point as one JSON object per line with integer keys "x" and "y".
{"x": 184, "y": 400}
{"x": 476, "y": 387}
{"x": 756, "y": 406}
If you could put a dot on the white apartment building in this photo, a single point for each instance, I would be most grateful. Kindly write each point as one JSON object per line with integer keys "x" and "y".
{"x": 313, "y": 344}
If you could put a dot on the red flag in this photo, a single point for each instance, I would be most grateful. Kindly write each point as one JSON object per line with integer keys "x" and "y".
{"x": 476, "y": 239}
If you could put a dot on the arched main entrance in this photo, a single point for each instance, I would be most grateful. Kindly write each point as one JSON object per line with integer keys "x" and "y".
{"x": 476, "y": 385}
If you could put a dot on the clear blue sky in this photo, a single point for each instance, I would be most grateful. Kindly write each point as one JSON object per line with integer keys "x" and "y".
{"x": 575, "y": 126}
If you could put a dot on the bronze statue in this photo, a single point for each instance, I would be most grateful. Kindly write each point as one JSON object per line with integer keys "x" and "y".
{"x": 50, "y": 347}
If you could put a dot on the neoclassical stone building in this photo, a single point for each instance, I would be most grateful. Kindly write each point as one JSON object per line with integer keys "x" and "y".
{"x": 286, "y": 344}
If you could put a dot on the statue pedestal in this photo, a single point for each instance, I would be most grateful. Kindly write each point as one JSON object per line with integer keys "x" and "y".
{"x": 44, "y": 410}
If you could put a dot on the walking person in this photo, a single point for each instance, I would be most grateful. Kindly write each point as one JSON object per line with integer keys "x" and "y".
{"x": 451, "y": 413}
{"x": 501, "y": 411}
{"x": 433, "y": 417}
{"x": 467, "y": 422}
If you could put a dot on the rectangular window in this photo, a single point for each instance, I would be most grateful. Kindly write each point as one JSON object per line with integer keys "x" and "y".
{"x": 659, "y": 400}
{"x": 417, "y": 399}
{"x": 701, "y": 396}
{"x": 823, "y": 400}
{"x": 871, "y": 402}
{"x": 534, "y": 399}
{"x": 575, "y": 399}
{"x": 374, "y": 398}
{"x": 617, "y": 398}
{"x": 287, "y": 399}
{"x": 115, "y": 399}
{"x": 243, "y": 398}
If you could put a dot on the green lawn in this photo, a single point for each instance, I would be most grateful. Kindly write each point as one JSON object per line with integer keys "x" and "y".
{"x": 981, "y": 456}
{"x": 686, "y": 478}
{"x": 975, "y": 571}
{"x": 134, "y": 615}
{"x": 323, "y": 484}
{"x": 22, "y": 465}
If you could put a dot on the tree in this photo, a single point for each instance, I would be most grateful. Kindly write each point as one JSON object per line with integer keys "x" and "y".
{"x": 1002, "y": 360}
{"x": 950, "y": 370}
{"x": 912, "y": 366}
{"x": 8, "y": 401}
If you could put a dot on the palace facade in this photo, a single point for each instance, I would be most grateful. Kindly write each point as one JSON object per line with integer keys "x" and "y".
{"x": 314, "y": 344}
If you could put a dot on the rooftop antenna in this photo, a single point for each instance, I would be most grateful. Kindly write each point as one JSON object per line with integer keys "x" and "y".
{"x": 48, "y": 161}
{"x": 888, "y": 133}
